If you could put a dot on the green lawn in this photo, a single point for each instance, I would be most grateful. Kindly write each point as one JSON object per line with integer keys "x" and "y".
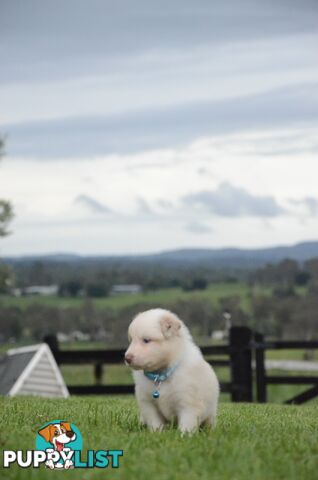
{"x": 261, "y": 442}
{"x": 161, "y": 297}
{"x": 290, "y": 354}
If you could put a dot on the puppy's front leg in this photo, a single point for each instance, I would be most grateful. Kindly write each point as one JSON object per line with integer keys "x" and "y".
{"x": 150, "y": 416}
{"x": 187, "y": 421}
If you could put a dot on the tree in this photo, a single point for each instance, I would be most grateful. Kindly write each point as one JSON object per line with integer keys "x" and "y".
{"x": 6, "y": 212}
{"x": 311, "y": 266}
{"x": 71, "y": 288}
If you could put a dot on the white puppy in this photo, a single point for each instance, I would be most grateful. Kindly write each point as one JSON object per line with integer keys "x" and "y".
{"x": 172, "y": 378}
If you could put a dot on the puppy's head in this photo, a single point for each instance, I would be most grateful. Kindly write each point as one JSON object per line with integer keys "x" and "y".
{"x": 58, "y": 434}
{"x": 155, "y": 340}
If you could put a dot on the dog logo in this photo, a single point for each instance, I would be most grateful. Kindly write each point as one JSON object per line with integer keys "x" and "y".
{"x": 59, "y": 445}
{"x": 59, "y": 439}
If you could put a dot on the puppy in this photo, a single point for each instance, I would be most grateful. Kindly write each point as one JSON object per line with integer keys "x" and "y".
{"x": 172, "y": 379}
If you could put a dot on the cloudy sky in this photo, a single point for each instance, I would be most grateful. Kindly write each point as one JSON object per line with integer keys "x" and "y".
{"x": 144, "y": 126}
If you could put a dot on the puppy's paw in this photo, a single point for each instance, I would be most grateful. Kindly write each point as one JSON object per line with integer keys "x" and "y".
{"x": 156, "y": 427}
{"x": 187, "y": 423}
{"x": 187, "y": 431}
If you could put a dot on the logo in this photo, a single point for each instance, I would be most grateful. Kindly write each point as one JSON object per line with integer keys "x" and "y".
{"x": 59, "y": 440}
{"x": 59, "y": 445}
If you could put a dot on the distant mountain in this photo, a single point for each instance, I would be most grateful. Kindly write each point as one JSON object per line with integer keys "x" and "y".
{"x": 219, "y": 258}
{"x": 240, "y": 257}
{"x": 50, "y": 257}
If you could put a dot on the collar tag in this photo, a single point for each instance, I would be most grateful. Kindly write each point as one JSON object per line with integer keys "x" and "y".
{"x": 158, "y": 377}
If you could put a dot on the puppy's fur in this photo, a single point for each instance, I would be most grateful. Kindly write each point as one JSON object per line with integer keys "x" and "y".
{"x": 159, "y": 340}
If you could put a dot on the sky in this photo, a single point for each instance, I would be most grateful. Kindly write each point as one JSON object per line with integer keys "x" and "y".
{"x": 135, "y": 127}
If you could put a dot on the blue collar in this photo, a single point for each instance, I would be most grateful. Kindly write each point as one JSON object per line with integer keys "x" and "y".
{"x": 161, "y": 375}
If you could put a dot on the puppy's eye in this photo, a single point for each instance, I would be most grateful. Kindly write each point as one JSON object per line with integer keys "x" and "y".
{"x": 146, "y": 340}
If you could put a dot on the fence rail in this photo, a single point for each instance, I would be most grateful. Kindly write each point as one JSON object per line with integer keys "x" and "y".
{"x": 244, "y": 348}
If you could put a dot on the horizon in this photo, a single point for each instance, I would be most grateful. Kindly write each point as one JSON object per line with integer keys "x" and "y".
{"x": 159, "y": 252}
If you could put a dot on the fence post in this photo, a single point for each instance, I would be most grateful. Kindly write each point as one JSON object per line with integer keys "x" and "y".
{"x": 260, "y": 371}
{"x": 53, "y": 343}
{"x": 98, "y": 373}
{"x": 241, "y": 364}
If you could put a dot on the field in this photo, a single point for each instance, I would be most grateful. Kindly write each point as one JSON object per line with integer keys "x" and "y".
{"x": 212, "y": 293}
{"x": 263, "y": 442}
{"x": 161, "y": 297}
{"x": 83, "y": 374}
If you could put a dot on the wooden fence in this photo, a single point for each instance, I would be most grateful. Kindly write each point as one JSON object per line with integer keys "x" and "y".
{"x": 260, "y": 346}
{"x": 244, "y": 350}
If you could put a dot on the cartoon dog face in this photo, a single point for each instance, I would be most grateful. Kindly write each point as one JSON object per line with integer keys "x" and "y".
{"x": 58, "y": 434}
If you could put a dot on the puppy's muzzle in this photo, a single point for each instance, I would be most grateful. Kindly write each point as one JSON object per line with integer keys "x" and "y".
{"x": 129, "y": 358}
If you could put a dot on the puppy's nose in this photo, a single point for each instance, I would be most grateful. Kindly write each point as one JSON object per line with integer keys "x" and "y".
{"x": 128, "y": 358}
{"x": 69, "y": 434}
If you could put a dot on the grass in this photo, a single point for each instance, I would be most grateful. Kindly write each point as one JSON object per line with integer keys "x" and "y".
{"x": 290, "y": 354}
{"x": 162, "y": 297}
{"x": 263, "y": 442}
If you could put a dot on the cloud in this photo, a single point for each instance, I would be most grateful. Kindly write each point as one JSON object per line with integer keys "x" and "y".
{"x": 152, "y": 98}
{"x": 144, "y": 207}
{"x": 198, "y": 227}
{"x": 83, "y": 36}
{"x": 204, "y": 172}
{"x": 312, "y": 205}
{"x": 309, "y": 203}
{"x": 91, "y": 204}
{"x": 147, "y": 129}
{"x": 165, "y": 204}
{"x": 231, "y": 201}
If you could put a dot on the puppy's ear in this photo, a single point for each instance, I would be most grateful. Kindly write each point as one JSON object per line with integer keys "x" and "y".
{"x": 170, "y": 325}
{"x": 46, "y": 432}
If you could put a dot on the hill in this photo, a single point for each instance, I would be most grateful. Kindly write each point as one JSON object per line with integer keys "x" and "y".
{"x": 238, "y": 257}
{"x": 218, "y": 258}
